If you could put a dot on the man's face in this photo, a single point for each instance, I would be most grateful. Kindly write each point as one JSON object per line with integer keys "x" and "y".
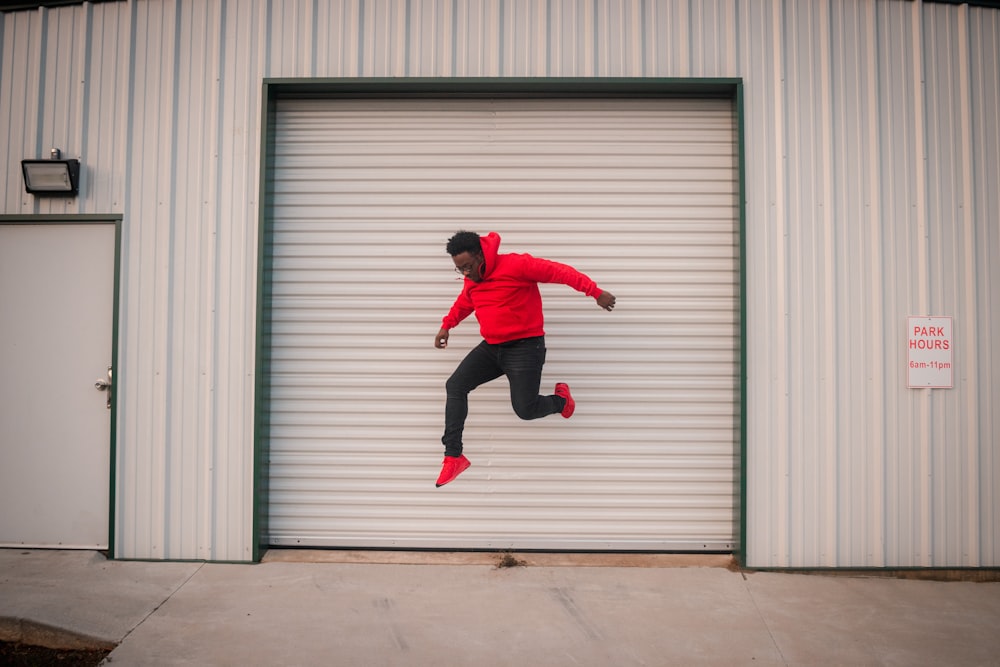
{"x": 469, "y": 265}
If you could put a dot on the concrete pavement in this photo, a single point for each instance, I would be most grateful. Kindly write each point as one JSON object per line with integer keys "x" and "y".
{"x": 433, "y": 609}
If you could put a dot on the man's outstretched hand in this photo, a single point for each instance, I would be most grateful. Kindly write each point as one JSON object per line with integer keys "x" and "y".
{"x": 441, "y": 340}
{"x": 606, "y": 301}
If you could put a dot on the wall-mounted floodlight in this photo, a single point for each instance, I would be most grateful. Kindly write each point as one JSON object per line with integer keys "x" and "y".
{"x": 51, "y": 177}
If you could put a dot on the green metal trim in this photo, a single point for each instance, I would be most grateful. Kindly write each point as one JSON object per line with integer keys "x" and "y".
{"x": 116, "y": 220}
{"x": 262, "y": 364}
{"x": 740, "y": 551}
{"x": 987, "y": 4}
{"x": 969, "y": 574}
{"x": 45, "y": 219}
{"x": 274, "y": 89}
{"x": 508, "y": 87}
{"x": 187, "y": 560}
{"x": 115, "y": 309}
{"x": 15, "y": 5}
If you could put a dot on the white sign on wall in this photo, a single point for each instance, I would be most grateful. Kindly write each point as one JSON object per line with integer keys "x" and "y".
{"x": 929, "y": 347}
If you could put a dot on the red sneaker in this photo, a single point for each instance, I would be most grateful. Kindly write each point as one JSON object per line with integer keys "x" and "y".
{"x": 452, "y": 468}
{"x": 562, "y": 389}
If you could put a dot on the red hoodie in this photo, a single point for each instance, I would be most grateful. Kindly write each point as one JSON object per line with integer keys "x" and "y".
{"x": 507, "y": 302}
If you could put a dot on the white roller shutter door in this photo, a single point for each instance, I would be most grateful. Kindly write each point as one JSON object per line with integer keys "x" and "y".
{"x": 638, "y": 194}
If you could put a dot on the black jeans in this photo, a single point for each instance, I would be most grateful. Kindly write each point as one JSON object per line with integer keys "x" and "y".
{"x": 521, "y": 361}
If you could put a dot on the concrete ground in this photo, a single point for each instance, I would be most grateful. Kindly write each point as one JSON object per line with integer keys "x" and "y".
{"x": 357, "y": 608}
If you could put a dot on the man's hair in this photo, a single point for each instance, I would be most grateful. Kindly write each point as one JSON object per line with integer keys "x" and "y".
{"x": 464, "y": 242}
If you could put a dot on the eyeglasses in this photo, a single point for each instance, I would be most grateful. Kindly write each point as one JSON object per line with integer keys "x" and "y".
{"x": 466, "y": 268}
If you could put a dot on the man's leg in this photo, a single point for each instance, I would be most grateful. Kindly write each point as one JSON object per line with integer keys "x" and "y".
{"x": 478, "y": 367}
{"x": 522, "y": 362}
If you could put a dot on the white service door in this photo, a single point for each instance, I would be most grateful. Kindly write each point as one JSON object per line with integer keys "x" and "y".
{"x": 57, "y": 305}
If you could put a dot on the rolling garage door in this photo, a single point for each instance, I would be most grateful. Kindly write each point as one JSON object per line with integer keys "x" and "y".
{"x": 638, "y": 194}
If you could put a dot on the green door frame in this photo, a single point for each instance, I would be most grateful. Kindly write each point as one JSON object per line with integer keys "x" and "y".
{"x": 116, "y": 220}
{"x": 464, "y": 88}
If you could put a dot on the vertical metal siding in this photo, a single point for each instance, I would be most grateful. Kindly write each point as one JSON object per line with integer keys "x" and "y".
{"x": 872, "y": 178}
{"x": 981, "y": 357}
{"x": 872, "y": 173}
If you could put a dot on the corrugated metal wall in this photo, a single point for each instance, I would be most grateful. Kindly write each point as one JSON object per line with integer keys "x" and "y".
{"x": 873, "y": 162}
{"x": 872, "y": 200}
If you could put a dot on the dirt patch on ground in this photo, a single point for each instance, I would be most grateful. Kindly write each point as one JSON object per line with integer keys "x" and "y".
{"x": 23, "y": 655}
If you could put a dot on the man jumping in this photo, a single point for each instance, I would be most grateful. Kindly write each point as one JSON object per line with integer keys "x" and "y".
{"x": 502, "y": 289}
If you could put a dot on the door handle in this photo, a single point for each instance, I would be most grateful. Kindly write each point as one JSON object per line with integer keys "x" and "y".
{"x": 105, "y": 385}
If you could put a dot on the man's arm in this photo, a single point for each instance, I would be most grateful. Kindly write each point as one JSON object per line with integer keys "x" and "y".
{"x": 461, "y": 309}
{"x": 547, "y": 271}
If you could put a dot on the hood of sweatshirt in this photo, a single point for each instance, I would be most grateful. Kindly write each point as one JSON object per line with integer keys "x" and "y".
{"x": 491, "y": 248}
